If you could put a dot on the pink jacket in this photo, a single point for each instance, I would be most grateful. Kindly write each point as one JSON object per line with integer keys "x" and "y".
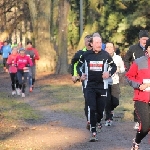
{"x": 23, "y": 61}
{"x": 11, "y": 62}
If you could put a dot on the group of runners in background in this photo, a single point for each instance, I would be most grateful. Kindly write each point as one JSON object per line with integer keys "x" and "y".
{"x": 99, "y": 70}
{"x": 20, "y": 63}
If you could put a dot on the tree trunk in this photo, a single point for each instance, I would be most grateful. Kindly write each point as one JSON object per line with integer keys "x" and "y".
{"x": 40, "y": 16}
{"x": 62, "y": 59}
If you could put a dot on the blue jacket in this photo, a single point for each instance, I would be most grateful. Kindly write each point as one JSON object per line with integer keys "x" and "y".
{"x": 103, "y": 46}
{"x": 6, "y": 50}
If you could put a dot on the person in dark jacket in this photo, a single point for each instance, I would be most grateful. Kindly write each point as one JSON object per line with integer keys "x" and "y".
{"x": 76, "y": 58}
{"x": 134, "y": 52}
{"x": 75, "y": 76}
{"x": 95, "y": 75}
{"x": 138, "y": 77}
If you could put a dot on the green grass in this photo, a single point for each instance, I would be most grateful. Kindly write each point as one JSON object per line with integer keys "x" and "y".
{"x": 13, "y": 109}
{"x": 69, "y": 99}
{"x": 13, "y": 113}
{"x": 126, "y": 103}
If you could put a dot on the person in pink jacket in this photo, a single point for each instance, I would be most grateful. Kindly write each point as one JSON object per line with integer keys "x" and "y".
{"x": 23, "y": 62}
{"x": 13, "y": 71}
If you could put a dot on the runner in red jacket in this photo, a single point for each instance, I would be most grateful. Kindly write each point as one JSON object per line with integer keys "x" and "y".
{"x": 138, "y": 77}
{"x": 23, "y": 62}
{"x": 13, "y": 71}
{"x": 1, "y": 45}
{"x": 134, "y": 52}
{"x": 33, "y": 54}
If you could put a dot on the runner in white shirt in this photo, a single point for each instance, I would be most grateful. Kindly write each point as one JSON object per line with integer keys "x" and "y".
{"x": 114, "y": 89}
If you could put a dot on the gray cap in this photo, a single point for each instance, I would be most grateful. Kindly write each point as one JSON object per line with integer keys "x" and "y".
{"x": 143, "y": 33}
{"x": 21, "y": 49}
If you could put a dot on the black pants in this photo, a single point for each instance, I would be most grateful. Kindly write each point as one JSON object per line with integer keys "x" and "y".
{"x": 142, "y": 111}
{"x": 96, "y": 99}
{"x": 85, "y": 106}
{"x": 135, "y": 116}
{"x": 112, "y": 100}
{"x": 22, "y": 78}
{"x": 14, "y": 81}
{"x": 5, "y": 62}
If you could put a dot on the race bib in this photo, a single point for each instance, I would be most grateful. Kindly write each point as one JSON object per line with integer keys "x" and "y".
{"x": 96, "y": 65}
{"x": 26, "y": 69}
{"x": 146, "y": 81}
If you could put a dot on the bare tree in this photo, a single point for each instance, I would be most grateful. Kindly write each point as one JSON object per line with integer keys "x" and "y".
{"x": 62, "y": 62}
{"x": 40, "y": 16}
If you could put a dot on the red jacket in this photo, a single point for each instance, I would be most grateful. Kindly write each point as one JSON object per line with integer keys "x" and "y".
{"x": 1, "y": 45}
{"x": 36, "y": 57}
{"x": 139, "y": 72}
{"x": 11, "y": 61}
{"x": 23, "y": 61}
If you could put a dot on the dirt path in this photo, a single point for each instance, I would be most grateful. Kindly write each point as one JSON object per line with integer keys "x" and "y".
{"x": 62, "y": 131}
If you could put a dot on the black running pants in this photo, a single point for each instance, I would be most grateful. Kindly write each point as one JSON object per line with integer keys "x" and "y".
{"x": 96, "y": 99}
{"x": 142, "y": 111}
{"x": 14, "y": 81}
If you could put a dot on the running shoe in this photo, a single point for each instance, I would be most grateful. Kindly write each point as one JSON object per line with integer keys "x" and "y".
{"x": 108, "y": 123}
{"x": 18, "y": 91}
{"x": 136, "y": 126}
{"x": 98, "y": 127}
{"x": 94, "y": 137}
{"x": 31, "y": 89}
{"x": 23, "y": 95}
{"x": 13, "y": 92}
{"x": 135, "y": 145}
